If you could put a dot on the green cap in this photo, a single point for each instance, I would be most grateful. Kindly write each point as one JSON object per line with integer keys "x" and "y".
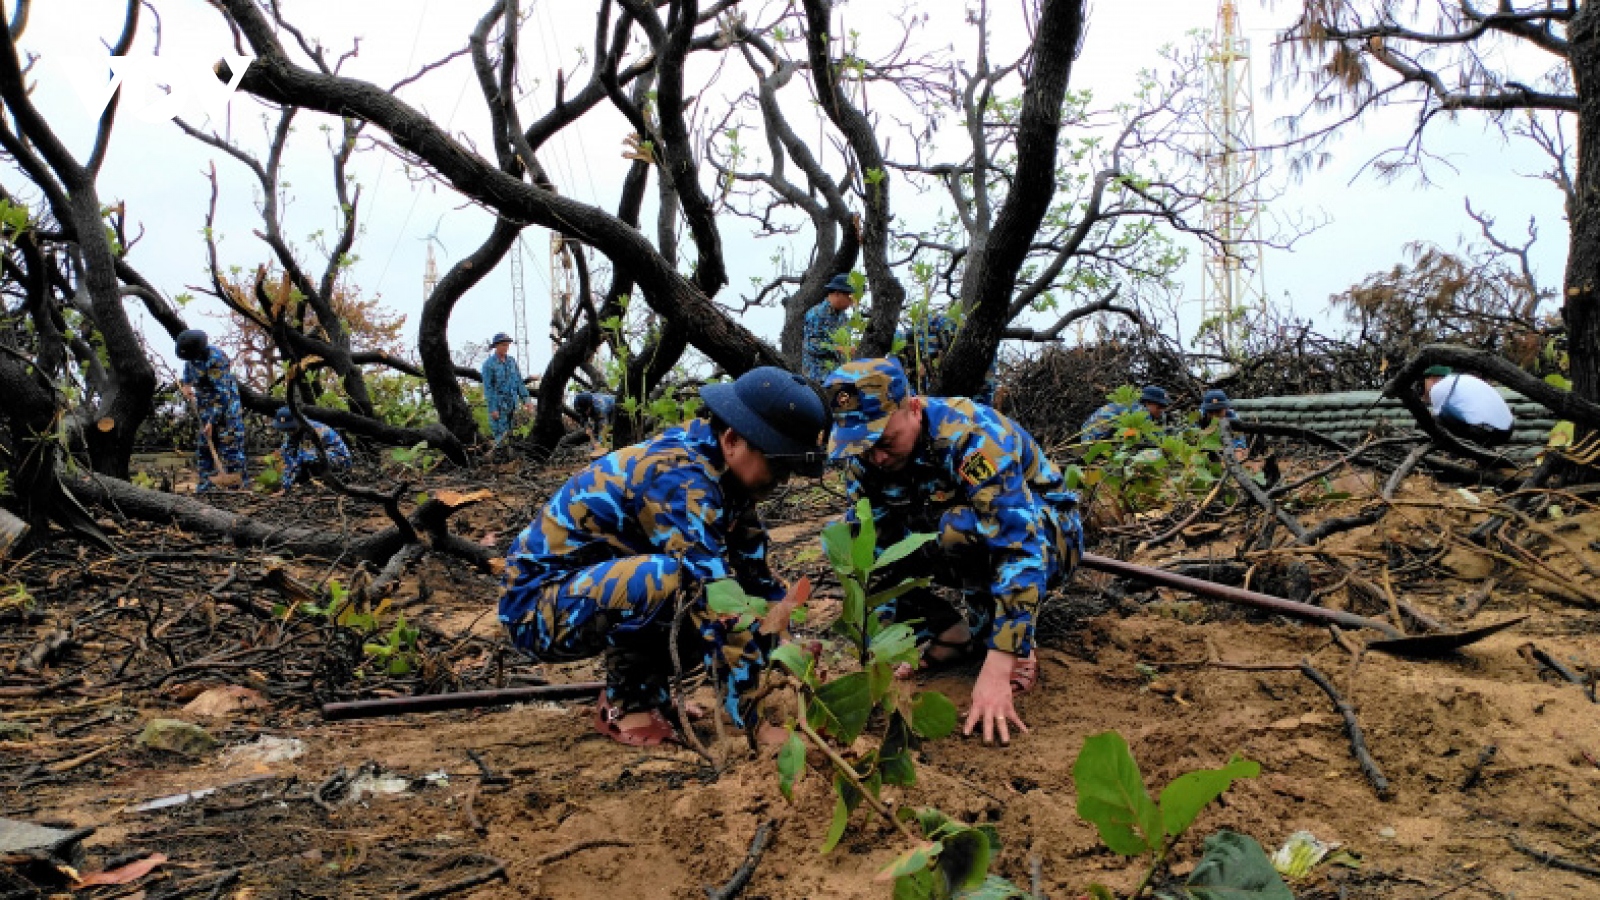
{"x": 1436, "y": 372}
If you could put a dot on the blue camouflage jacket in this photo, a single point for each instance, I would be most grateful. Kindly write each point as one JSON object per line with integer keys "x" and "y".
{"x": 502, "y": 382}
{"x": 216, "y": 391}
{"x": 976, "y": 475}
{"x": 1099, "y": 425}
{"x": 297, "y": 454}
{"x": 820, "y": 355}
{"x": 664, "y": 496}
{"x": 924, "y": 344}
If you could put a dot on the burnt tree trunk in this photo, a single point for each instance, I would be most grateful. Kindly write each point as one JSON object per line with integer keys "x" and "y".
{"x": 991, "y": 276}
{"x": 433, "y": 331}
{"x": 1582, "y": 279}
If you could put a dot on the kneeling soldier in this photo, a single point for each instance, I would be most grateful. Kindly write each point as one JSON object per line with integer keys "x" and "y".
{"x": 1007, "y": 528}
{"x": 602, "y": 567}
{"x": 299, "y": 452}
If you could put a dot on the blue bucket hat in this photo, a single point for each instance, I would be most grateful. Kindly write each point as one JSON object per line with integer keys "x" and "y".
{"x": 285, "y": 420}
{"x": 501, "y": 338}
{"x": 190, "y": 345}
{"x": 862, "y": 395}
{"x": 777, "y": 411}
{"x": 1154, "y": 393}
{"x": 1214, "y": 401}
{"x": 841, "y": 282}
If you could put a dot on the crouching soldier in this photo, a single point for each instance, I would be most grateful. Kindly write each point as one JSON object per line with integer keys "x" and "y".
{"x": 1007, "y": 529}
{"x": 209, "y": 384}
{"x": 602, "y": 567}
{"x": 299, "y": 451}
{"x": 1101, "y": 424}
{"x": 595, "y": 412}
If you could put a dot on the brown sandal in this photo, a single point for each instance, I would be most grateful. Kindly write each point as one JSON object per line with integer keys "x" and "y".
{"x": 653, "y": 733}
{"x": 1025, "y": 675}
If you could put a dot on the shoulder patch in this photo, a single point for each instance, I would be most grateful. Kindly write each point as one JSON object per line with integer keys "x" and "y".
{"x": 977, "y": 468}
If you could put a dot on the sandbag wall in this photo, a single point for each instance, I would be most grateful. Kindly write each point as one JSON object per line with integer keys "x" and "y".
{"x": 1350, "y": 416}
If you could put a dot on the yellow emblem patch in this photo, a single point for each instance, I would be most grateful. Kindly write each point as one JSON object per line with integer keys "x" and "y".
{"x": 977, "y": 468}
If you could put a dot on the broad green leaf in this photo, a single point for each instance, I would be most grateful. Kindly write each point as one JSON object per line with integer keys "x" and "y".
{"x": 794, "y": 658}
{"x": 929, "y": 819}
{"x": 915, "y": 860}
{"x": 841, "y": 818}
{"x": 865, "y": 544}
{"x": 922, "y": 885}
{"x": 791, "y": 765}
{"x": 880, "y": 678}
{"x": 994, "y": 888}
{"x": 933, "y": 715}
{"x": 894, "y": 644}
{"x": 1557, "y": 380}
{"x": 902, "y": 549}
{"x": 1183, "y": 799}
{"x": 884, "y": 596}
{"x": 855, "y": 603}
{"x": 836, "y": 543}
{"x": 895, "y": 764}
{"x": 1111, "y": 795}
{"x": 1099, "y": 891}
{"x": 845, "y": 703}
{"x": 726, "y": 598}
{"x": 1235, "y": 867}
{"x": 965, "y": 859}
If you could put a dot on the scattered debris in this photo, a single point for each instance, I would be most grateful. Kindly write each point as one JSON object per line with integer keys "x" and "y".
{"x": 177, "y": 736}
{"x": 122, "y": 874}
{"x": 222, "y": 701}
{"x": 264, "y": 751}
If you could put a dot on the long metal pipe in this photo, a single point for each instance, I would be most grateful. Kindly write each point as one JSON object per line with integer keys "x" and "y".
{"x": 397, "y": 706}
{"x": 1236, "y": 595}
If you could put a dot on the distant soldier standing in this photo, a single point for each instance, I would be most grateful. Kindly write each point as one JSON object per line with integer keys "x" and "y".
{"x": 821, "y": 353}
{"x": 208, "y": 382}
{"x": 503, "y": 389}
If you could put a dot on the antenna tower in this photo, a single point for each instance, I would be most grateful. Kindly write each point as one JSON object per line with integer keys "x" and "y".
{"x": 519, "y": 304}
{"x": 1233, "y": 283}
{"x": 563, "y": 289}
{"x": 430, "y": 274}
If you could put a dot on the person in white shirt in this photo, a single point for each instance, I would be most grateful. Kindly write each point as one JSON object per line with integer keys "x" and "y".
{"x": 1467, "y": 406}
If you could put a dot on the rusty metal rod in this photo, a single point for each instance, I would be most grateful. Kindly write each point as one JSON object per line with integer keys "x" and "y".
{"x": 1236, "y": 595}
{"x": 397, "y": 706}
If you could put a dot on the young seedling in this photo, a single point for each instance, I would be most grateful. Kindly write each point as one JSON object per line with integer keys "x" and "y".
{"x": 1112, "y": 796}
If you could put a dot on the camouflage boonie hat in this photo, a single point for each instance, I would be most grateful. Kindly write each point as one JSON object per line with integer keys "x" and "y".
{"x": 861, "y": 397}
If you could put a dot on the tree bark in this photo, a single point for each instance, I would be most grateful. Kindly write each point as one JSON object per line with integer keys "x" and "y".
{"x": 991, "y": 276}
{"x": 1582, "y": 279}
{"x": 433, "y": 331}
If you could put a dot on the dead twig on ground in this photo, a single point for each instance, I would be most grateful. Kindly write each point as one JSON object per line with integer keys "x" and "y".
{"x": 497, "y": 870}
{"x": 741, "y": 875}
{"x": 1352, "y": 727}
{"x": 1551, "y": 860}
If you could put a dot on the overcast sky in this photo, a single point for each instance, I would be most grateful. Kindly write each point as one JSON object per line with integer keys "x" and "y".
{"x": 159, "y": 172}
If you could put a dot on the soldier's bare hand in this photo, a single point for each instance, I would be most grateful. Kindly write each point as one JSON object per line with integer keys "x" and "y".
{"x": 992, "y": 705}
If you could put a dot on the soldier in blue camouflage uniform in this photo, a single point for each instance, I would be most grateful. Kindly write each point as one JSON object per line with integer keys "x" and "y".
{"x": 300, "y": 454}
{"x": 1214, "y": 405}
{"x": 1008, "y": 530}
{"x": 503, "y": 389}
{"x": 208, "y": 381}
{"x": 1100, "y": 424}
{"x": 924, "y": 344}
{"x": 821, "y": 354}
{"x": 602, "y": 568}
{"x": 595, "y": 411}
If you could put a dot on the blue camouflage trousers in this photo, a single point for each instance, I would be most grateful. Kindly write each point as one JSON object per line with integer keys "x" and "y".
{"x": 227, "y": 432}
{"x": 962, "y": 561}
{"x": 623, "y": 609}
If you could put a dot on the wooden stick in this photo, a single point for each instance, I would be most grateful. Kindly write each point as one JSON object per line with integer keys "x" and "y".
{"x": 1553, "y": 861}
{"x": 498, "y": 870}
{"x": 1352, "y": 727}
